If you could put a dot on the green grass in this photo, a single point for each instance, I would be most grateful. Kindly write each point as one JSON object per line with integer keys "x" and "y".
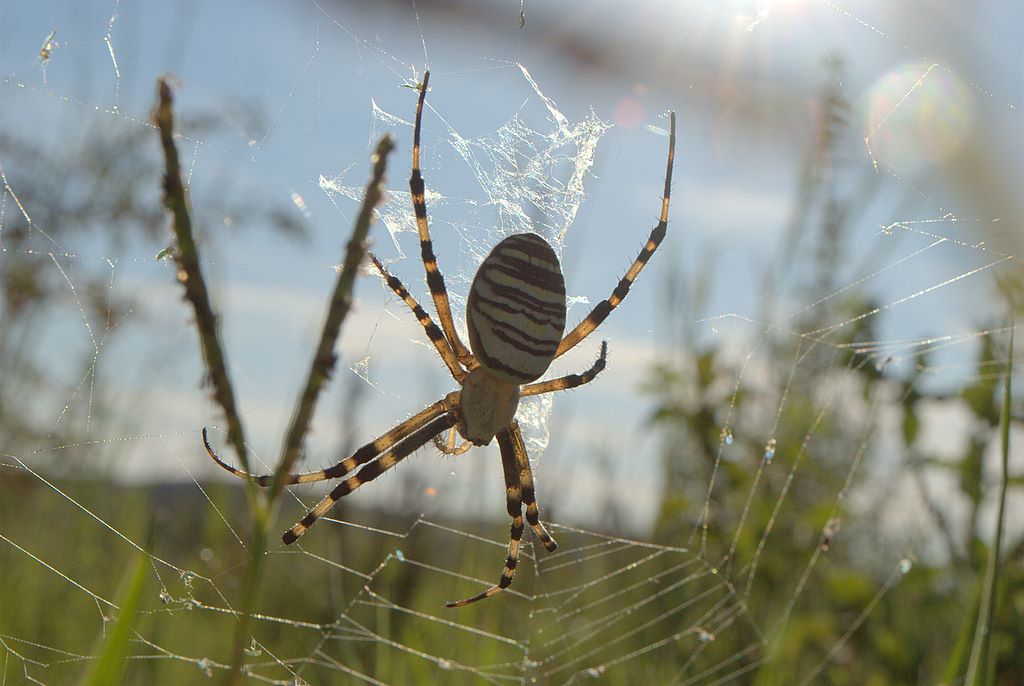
{"x": 319, "y": 619}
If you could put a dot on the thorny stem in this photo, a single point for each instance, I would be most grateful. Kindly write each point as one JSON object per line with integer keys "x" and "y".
{"x": 190, "y": 275}
{"x": 324, "y": 359}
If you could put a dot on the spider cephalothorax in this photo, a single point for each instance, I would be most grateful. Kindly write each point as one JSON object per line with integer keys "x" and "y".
{"x": 515, "y": 314}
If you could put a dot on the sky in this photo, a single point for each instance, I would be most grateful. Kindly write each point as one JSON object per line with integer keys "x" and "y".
{"x": 935, "y": 92}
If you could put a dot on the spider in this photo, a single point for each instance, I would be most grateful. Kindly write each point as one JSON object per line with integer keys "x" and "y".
{"x": 515, "y": 315}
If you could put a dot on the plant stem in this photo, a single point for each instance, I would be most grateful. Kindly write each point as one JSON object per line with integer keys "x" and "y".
{"x": 324, "y": 358}
{"x": 190, "y": 275}
{"x": 977, "y": 667}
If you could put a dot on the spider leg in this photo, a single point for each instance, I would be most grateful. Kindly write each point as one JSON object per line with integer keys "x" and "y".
{"x": 448, "y": 446}
{"x": 433, "y": 333}
{"x": 435, "y": 280}
{"x": 399, "y": 452}
{"x": 569, "y": 381}
{"x": 514, "y": 503}
{"x": 359, "y": 457}
{"x": 511, "y": 440}
{"x": 604, "y": 308}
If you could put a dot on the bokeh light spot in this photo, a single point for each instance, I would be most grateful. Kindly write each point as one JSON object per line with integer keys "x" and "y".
{"x": 629, "y": 112}
{"x": 918, "y": 114}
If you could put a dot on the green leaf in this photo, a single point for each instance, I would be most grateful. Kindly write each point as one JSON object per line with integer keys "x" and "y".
{"x": 911, "y": 423}
{"x": 113, "y": 658}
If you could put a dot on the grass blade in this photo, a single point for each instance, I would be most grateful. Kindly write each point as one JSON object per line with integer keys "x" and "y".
{"x": 113, "y": 659}
{"x": 977, "y": 667}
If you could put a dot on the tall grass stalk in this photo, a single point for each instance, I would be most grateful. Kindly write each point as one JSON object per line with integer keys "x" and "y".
{"x": 978, "y": 671}
{"x": 186, "y": 255}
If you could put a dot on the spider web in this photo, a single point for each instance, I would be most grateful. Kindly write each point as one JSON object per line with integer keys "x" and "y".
{"x": 532, "y": 181}
{"x": 670, "y": 529}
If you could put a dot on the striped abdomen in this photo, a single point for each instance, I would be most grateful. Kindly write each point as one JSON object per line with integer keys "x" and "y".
{"x": 516, "y": 309}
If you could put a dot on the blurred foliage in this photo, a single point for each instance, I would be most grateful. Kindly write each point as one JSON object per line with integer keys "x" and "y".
{"x": 80, "y": 203}
{"x": 911, "y": 635}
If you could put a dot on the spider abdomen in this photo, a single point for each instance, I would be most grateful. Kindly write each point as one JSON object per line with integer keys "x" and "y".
{"x": 516, "y": 309}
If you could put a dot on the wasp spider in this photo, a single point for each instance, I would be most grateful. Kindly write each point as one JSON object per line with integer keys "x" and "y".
{"x": 516, "y": 317}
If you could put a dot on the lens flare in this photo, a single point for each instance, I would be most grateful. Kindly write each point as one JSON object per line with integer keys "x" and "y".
{"x": 918, "y": 115}
{"x": 629, "y": 112}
